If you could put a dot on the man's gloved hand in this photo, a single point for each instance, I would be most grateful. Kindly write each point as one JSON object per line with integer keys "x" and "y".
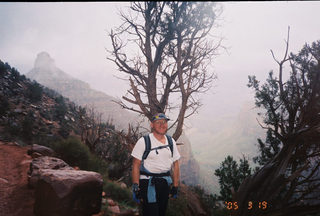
{"x": 174, "y": 192}
{"x": 136, "y": 193}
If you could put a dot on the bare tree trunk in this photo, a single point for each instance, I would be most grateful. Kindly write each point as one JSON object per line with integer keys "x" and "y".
{"x": 172, "y": 56}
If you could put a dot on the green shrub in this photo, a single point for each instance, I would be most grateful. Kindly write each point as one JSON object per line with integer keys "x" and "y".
{"x": 35, "y": 92}
{"x": 177, "y": 207}
{"x": 117, "y": 155}
{"x": 115, "y": 192}
{"x": 73, "y": 152}
{"x": 60, "y": 108}
{"x": 27, "y": 127}
{"x": 3, "y": 68}
{"x": 46, "y": 114}
{"x": 14, "y": 75}
{"x": 13, "y": 129}
{"x": 64, "y": 130}
{"x": 209, "y": 202}
{"x": 42, "y": 138}
{"x": 4, "y": 105}
{"x": 96, "y": 164}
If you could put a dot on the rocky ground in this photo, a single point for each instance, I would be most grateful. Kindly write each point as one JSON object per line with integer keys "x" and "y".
{"x": 16, "y": 199}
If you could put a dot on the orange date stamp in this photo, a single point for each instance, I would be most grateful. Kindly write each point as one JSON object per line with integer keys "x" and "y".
{"x": 263, "y": 205}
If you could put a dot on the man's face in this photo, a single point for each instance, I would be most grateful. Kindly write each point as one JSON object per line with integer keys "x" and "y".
{"x": 160, "y": 126}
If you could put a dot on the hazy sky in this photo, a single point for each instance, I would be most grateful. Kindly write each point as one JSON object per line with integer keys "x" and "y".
{"x": 76, "y": 36}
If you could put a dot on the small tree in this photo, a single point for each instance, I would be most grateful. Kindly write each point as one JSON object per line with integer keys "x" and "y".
{"x": 171, "y": 56}
{"x": 35, "y": 92}
{"x": 92, "y": 129}
{"x": 4, "y": 105}
{"x": 60, "y": 108}
{"x": 290, "y": 181}
{"x": 231, "y": 175}
{"x": 27, "y": 127}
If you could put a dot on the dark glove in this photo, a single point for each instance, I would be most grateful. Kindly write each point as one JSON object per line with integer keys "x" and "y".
{"x": 136, "y": 193}
{"x": 174, "y": 192}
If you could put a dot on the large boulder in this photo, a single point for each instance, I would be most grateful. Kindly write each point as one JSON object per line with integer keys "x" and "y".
{"x": 42, "y": 150}
{"x": 68, "y": 193}
{"x": 42, "y": 163}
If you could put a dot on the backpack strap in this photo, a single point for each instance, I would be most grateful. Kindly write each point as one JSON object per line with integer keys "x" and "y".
{"x": 147, "y": 149}
{"x": 147, "y": 143}
{"x": 170, "y": 144}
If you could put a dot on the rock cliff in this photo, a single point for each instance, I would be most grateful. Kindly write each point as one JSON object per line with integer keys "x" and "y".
{"x": 189, "y": 167}
{"x": 48, "y": 74}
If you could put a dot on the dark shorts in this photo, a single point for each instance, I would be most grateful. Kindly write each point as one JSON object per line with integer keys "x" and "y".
{"x": 162, "y": 194}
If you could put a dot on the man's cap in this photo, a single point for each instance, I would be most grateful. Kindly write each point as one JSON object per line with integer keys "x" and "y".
{"x": 159, "y": 116}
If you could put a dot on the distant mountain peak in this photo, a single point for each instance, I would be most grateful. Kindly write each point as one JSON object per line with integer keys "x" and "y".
{"x": 48, "y": 74}
{"x": 45, "y": 69}
{"x": 44, "y": 60}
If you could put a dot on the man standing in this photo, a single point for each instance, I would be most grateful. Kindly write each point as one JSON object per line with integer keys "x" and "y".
{"x": 154, "y": 156}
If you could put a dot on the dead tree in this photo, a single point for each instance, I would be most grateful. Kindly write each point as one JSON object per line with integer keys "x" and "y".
{"x": 164, "y": 48}
{"x": 289, "y": 184}
{"x": 91, "y": 127}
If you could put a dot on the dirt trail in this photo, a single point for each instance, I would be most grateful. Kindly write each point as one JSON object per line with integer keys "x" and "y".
{"x": 16, "y": 199}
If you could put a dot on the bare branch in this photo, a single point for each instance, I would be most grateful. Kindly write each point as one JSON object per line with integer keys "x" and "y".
{"x": 172, "y": 40}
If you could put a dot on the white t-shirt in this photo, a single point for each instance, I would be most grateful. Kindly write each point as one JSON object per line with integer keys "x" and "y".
{"x": 156, "y": 163}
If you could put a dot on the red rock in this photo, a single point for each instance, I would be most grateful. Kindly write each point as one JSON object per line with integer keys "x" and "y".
{"x": 114, "y": 209}
{"x": 68, "y": 192}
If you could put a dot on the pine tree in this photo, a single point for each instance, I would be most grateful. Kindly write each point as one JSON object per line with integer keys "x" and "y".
{"x": 231, "y": 175}
{"x": 289, "y": 178}
{"x": 267, "y": 149}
